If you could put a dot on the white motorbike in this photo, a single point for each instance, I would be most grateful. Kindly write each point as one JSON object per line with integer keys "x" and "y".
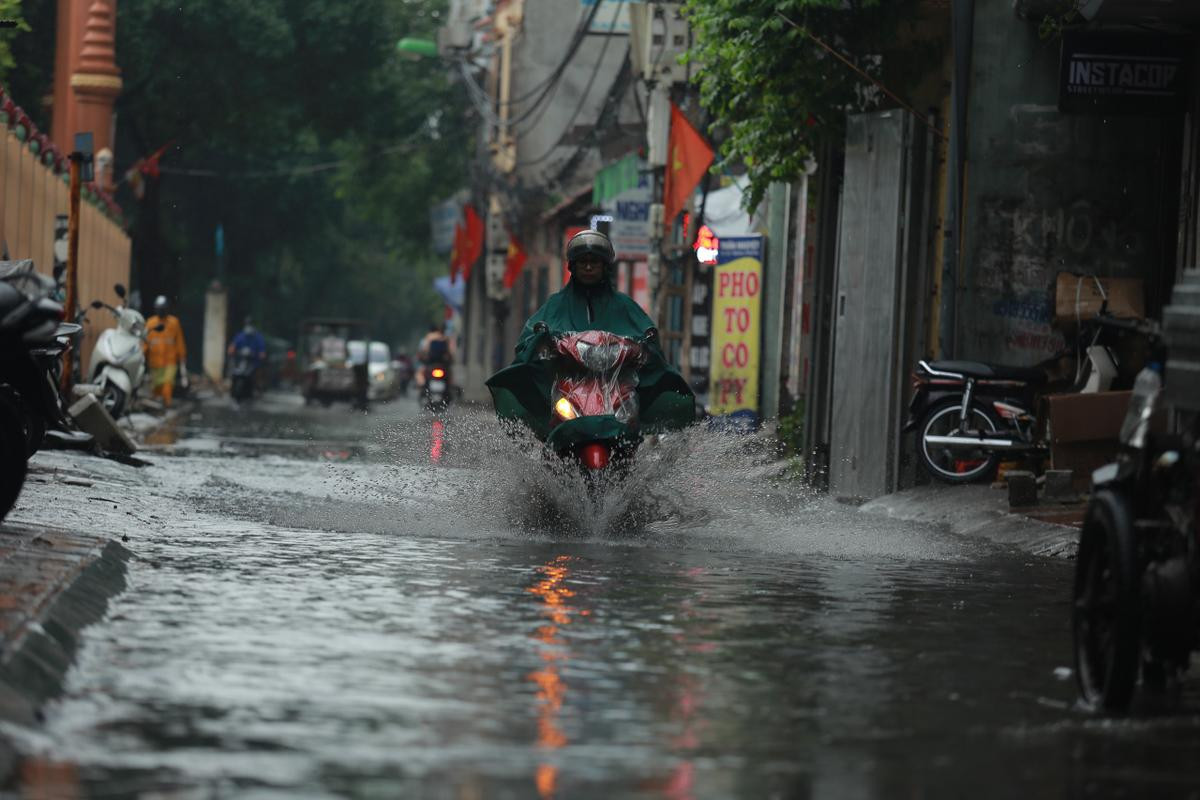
{"x": 118, "y": 365}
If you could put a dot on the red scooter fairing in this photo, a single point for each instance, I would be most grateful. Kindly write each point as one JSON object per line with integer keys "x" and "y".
{"x": 594, "y": 402}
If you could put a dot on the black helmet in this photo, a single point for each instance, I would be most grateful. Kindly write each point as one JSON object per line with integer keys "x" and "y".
{"x": 591, "y": 243}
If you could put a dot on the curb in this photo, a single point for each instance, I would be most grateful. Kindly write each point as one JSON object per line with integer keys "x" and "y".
{"x": 979, "y": 512}
{"x": 40, "y": 649}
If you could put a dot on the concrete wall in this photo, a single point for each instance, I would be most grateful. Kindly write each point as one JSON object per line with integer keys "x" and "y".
{"x": 1047, "y": 192}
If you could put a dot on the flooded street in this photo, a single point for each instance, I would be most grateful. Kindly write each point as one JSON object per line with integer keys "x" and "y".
{"x": 332, "y": 605}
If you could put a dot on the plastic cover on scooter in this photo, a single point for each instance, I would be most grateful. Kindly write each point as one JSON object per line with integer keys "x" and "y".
{"x": 614, "y": 400}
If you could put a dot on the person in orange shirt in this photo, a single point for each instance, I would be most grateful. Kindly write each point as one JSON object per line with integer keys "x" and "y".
{"x": 165, "y": 350}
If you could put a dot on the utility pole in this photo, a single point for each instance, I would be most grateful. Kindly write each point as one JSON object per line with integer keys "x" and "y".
{"x": 81, "y": 170}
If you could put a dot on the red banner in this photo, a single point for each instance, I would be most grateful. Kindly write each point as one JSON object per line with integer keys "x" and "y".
{"x": 514, "y": 262}
{"x": 689, "y": 157}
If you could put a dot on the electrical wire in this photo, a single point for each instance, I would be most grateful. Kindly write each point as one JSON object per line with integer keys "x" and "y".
{"x": 582, "y": 97}
{"x": 283, "y": 172}
{"x": 485, "y": 104}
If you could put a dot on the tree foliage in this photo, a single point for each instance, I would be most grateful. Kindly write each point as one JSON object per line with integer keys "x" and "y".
{"x": 295, "y": 126}
{"x": 773, "y": 93}
{"x": 10, "y": 12}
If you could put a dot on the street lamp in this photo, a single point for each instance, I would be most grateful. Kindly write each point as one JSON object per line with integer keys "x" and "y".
{"x": 417, "y": 48}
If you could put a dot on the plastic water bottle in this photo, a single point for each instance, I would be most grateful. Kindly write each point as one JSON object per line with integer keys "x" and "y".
{"x": 1142, "y": 405}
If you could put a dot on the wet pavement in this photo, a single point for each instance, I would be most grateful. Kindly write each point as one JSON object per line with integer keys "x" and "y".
{"x": 326, "y": 604}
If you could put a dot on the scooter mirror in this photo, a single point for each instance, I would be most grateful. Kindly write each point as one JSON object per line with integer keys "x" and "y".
{"x": 97, "y": 304}
{"x": 120, "y": 290}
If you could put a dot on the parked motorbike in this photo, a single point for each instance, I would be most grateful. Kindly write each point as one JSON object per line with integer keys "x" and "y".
{"x": 118, "y": 364}
{"x": 436, "y": 394}
{"x": 1136, "y": 610}
{"x": 968, "y": 414}
{"x": 29, "y": 320}
{"x": 241, "y": 374}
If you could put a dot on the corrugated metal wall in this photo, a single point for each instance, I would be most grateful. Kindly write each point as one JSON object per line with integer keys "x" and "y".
{"x": 32, "y": 197}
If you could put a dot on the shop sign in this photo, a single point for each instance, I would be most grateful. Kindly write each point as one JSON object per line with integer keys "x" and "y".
{"x": 1119, "y": 73}
{"x": 611, "y": 17}
{"x": 442, "y": 219}
{"x": 707, "y": 246}
{"x": 629, "y": 228}
{"x": 736, "y": 323}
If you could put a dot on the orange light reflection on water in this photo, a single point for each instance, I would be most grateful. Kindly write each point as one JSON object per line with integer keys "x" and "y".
{"x": 551, "y": 690}
{"x": 439, "y": 441}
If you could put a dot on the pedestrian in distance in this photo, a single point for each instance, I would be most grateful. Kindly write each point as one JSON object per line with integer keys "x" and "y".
{"x": 166, "y": 351}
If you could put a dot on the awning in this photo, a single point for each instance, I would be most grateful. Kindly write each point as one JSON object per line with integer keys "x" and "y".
{"x": 573, "y": 197}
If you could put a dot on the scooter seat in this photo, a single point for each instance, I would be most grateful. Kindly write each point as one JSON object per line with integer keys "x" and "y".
{"x": 995, "y": 372}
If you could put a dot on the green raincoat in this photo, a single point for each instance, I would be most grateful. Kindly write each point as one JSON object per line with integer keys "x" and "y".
{"x": 522, "y": 391}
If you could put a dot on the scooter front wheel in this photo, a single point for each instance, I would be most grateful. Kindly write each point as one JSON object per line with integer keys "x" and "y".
{"x": 112, "y": 397}
{"x": 956, "y": 464}
{"x": 12, "y": 453}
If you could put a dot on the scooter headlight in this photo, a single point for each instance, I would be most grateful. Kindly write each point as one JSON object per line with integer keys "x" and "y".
{"x": 565, "y": 409}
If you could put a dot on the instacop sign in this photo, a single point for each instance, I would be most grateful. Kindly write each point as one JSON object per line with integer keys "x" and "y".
{"x": 736, "y": 323}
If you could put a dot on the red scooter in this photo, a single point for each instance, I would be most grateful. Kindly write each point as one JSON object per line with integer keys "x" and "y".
{"x": 593, "y": 400}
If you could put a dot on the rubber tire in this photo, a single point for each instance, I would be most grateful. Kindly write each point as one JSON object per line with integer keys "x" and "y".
{"x": 989, "y": 464}
{"x": 35, "y": 431}
{"x": 1108, "y": 530}
{"x": 117, "y": 408}
{"x": 12, "y": 457}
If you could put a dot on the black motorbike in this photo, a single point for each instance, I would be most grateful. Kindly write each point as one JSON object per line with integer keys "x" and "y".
{"x": 968, "y": 415}
{"x": 1136, "y": 610}
{"x": 438, "y": 389}
{"x": 241, "y": 374}
{"x": 30, "y": 339}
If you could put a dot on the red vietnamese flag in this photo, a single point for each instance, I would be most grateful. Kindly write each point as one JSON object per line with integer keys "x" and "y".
{"x": 514, "y": 262}
{"x": 458, "y": 250}
{"x": 472, "y": 241}
{"x": 688, "y": 156}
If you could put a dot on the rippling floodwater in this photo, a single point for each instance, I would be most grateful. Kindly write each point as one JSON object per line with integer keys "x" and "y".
{"x": 397, "y": 606}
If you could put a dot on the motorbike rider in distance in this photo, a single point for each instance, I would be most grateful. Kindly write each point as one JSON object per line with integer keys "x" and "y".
{"x": 589, "y": 302}
{"x": 435, "y": 350}
{"x": 249, "y": 337}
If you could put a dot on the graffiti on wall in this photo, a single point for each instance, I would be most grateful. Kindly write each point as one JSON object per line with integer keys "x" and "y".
{"x": 1021, "y": 249}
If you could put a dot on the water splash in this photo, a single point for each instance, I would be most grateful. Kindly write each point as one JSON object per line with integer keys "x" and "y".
{"x": 678, "y": 480}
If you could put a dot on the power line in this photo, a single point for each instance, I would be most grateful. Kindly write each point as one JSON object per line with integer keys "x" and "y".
{"x": 283, "y": 172}
{"x": 582, "y": 97}
{"x": 875, "y": 81}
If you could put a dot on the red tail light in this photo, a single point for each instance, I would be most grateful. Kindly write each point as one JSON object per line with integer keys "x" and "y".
{"x": 438, "y": 372}
{"x": 594, "y": 455}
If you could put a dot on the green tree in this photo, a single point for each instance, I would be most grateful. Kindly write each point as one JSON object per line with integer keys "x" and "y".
{"x": 774, "y": 94}
{"x": 294, "y": 125}
{"x": 10, "y": 13}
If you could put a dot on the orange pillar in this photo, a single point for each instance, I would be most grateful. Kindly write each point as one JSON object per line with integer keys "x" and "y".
{"x": 87, "y": 80}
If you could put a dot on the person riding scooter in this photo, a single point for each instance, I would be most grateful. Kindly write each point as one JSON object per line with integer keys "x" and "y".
{"x": 436, "y": 354}
{"x": 589, "y": 302}
{"x": 251, "y": 345}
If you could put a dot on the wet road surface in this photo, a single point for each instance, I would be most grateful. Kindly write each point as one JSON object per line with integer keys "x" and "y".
{"x": 330, "y": 605}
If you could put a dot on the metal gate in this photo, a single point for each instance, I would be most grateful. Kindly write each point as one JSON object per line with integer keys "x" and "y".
{"x": 879, "y": 300}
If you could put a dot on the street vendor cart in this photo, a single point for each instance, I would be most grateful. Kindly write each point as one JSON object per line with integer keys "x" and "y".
{"x": 328, "y": 372}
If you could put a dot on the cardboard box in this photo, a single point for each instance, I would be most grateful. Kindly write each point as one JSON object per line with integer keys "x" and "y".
{"x": 1083, "y": 431}
{"x": 1126, "y": 298}
{"x": 1085, "y": 417}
